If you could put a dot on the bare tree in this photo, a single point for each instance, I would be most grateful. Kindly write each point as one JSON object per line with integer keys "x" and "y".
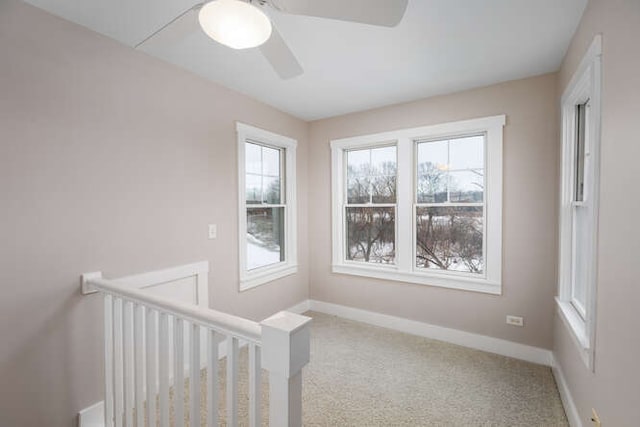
{"x": 447, "y": 236}
{"x": 371, "y": 229}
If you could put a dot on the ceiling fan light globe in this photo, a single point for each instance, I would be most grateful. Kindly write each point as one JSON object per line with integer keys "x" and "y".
{"x": 234, "y": 23}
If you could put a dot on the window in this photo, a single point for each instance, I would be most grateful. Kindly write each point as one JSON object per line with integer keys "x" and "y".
{"x": 421, "y": 205}
{"x": 450, "y": 204}
{"x": 266, "y": 164}
{"x": 579, "y": 201}
{"x": 370, "y": 210}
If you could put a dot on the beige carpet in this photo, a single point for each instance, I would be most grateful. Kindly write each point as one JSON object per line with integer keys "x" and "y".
{"x": 363, "y": 375}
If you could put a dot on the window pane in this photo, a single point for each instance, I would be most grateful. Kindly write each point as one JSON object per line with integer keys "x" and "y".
{"x": 265, "y": 236}
{"x": 466, "y": 186}
{"x": 432, "y": 172}
{"x": 253, "y": 158}
{"x": 450, "y": 238}
{"x": 358, "y": 162}
{"x": 371, "y": 175}
{"x": 371, "y": 234}
{"x": 270, "y": 161}
{"x": 466, "y": 153}
{"x": 383, "y": 161}
{"x": 271, "y": 191}
{"x": 581, "y": 121}
{"x": 383, "y": 171}
{"x": 435, "y": 153}
{"x": 263, "y": 180}
{"x": 580, "y": 261}
{"x": 432, "y": 184}
{"x": 383, "y": 189}
{"x": 253, "y": 188}
{"x": 358, "y": 190}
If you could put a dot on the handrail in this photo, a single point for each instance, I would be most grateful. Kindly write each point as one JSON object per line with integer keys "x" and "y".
{"x": 222, "y": 322}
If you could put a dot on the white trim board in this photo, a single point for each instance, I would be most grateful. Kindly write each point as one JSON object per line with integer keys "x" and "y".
{"x": 92, "y": 416}
{"x": 565, "y": 394}
{"x": 454, "y": 336}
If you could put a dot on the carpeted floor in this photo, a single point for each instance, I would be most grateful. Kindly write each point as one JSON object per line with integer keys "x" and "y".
{"x": 363, "y": 375}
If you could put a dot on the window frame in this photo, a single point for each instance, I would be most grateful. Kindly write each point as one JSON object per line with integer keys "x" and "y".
{"x": 584, "y": 87}
{"x": 405, "y": 269}
{"x": 252, "y": 278}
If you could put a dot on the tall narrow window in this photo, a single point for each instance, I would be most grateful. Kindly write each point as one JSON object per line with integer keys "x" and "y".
{"x": 579, "y": 201}
{"x": 370, "y": 207}
{"x": 580, "y": 213}
{"x": 450, "y": 204}
{"x": 267, "y": 206}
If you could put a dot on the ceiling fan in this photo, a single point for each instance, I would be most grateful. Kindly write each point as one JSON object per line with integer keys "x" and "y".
{"x": 241, "y": 24}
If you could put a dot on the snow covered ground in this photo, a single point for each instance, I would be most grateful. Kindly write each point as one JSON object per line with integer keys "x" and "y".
{"x": 259, "y": 254}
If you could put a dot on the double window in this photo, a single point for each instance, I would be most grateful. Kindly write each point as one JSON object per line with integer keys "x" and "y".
{"x": 421, "y": 205}
{"x": 267, "y": 206}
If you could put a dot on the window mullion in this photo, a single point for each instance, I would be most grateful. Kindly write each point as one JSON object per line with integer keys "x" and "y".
{"x": 404, "y": 202}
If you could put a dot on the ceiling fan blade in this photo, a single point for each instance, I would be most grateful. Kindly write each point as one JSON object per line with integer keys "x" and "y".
{"x": 276, "y": 51}
{"x": 386, "y": 13}
{"x": 177, "y": 29}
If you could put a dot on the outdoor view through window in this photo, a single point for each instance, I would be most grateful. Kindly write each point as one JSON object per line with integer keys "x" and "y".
{"x": 265, "y": 205}
{"x": 450, "y": 204}
{"x": 371, "y": 204}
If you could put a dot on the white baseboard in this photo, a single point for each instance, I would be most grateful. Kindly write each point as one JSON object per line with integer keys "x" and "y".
{"x": 467, "y": 339}
{"x": 565, "y": 395}
{"x": 92, "y": 416}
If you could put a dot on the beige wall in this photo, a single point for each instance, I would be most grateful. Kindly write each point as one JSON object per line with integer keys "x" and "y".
{"x": 112, "y": 160}
{"x": 529, "y": 224}
{"x": 109, "y": 160}
{"x": 614, "y": 388}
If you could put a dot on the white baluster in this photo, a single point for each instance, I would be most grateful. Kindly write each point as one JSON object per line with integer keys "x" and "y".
{"x": 108, "y": 360}
{"x": 127, "y": 310}
{"x": 151, "y": 351}
{"x": 138, "y": 338}
{"x": 285, "y": 351}
{"x": 194, "y": 380}
{"x": 163, "y": 369}
{"x": 212, "y": 378}
{"x": 255, "y": 385}
{"x": 178, "y": 383}
{"x": 118, "y": 360}
{"x": 232, "y": 381}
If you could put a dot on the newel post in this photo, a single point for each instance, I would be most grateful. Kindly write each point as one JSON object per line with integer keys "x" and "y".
{"x": 285, "y": 351}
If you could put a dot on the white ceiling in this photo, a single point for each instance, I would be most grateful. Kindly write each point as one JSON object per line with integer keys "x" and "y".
{"x": 441, "y": 46}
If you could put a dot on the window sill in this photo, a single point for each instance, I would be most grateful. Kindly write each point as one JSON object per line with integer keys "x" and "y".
{"x": 439, "y": 280}
{"x": 577, "y": 329}
{"x": 252, "y": 280}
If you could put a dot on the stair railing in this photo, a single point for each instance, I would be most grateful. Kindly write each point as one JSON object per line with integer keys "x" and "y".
{"x": 152, "y": 343}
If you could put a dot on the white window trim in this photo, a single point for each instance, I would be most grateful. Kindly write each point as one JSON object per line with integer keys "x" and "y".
{"x": 584, "y": 85}
{"x": 404, "y": 269}
{"x": 259, "y": 276}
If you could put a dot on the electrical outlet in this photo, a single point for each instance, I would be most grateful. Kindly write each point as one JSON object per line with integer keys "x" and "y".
{"x": 515, "y": 320}
{"x": 213, "y": 231}
{"x": 595, "y": 418}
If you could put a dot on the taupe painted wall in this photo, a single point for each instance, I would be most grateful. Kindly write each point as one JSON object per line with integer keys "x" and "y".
{"x": 529, "y": 209}
{"x": 112, "y": 160}
{"x": 109, "y": 160}
{"x": 614, "y": 388}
